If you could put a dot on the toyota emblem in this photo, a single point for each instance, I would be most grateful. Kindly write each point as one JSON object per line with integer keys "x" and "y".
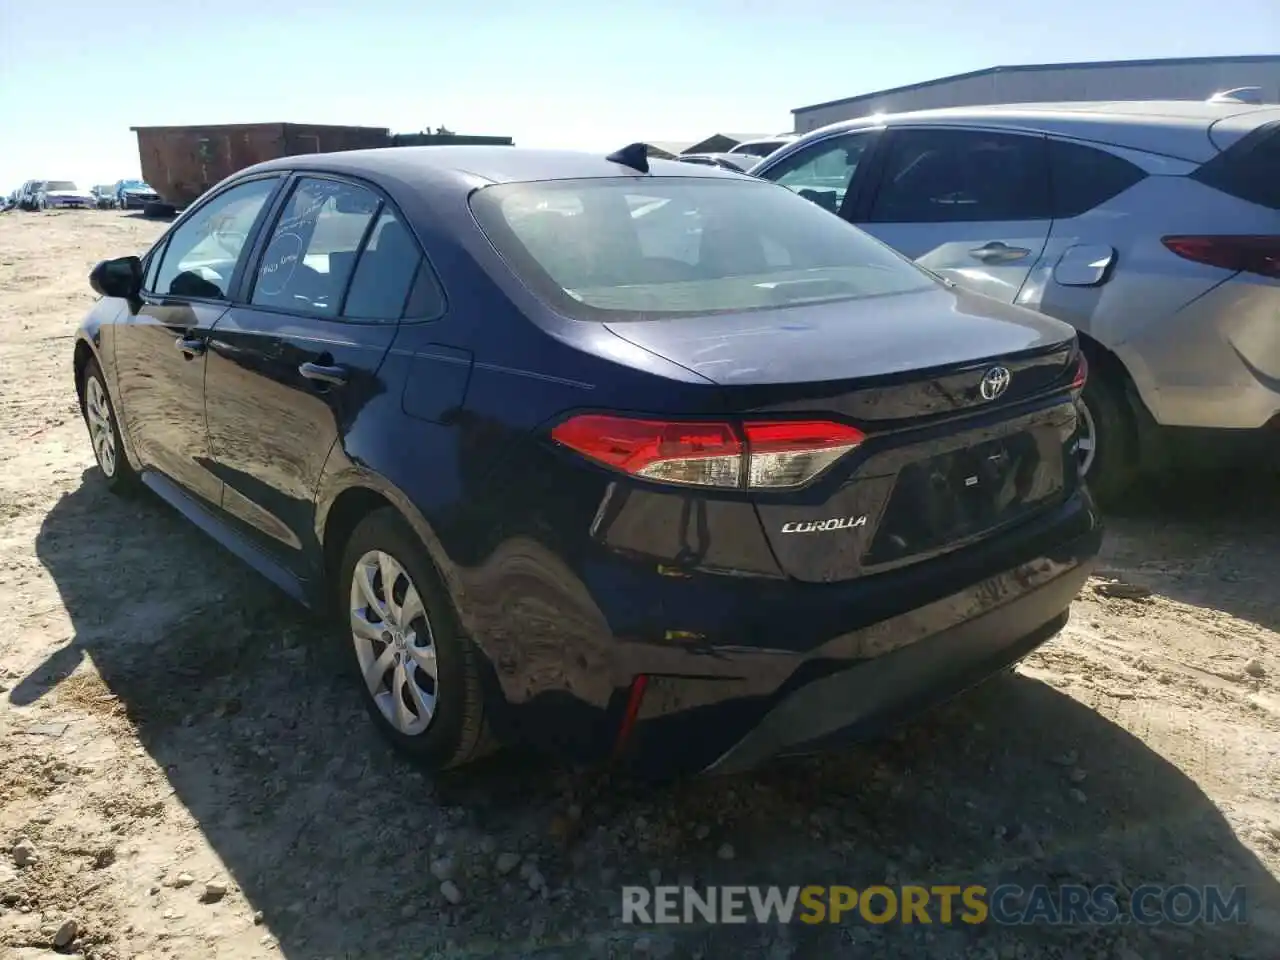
{"x": 994, "y": 383}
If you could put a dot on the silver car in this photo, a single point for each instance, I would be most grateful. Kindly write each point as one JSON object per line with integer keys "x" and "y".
{"x": 1153, "y": 228}
{"x": 737, "y": 162}
{"x": 761, "y": 148}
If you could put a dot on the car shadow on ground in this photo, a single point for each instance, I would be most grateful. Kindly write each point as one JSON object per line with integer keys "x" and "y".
{"x": 142, "y": 215}
{"x": 333, "y": 838}
{"x": 1207, "y": 538}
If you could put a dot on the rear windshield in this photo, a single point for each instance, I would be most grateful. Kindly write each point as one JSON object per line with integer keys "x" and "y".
{"x": 1250, "y": 169}
{"x": 761, "y": 148}
{"x": 640, "y": 248}
{"x": 59, "y": 185}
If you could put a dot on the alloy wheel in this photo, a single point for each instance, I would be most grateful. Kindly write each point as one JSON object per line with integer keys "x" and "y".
{"x": 1087, "y": 444}
{"x": 393, "y": 642}
{"x": 97, "y": 411}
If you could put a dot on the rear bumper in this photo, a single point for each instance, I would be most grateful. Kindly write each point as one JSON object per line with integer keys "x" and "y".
{"x": 870, "y": 696}
{"x": 760, "y": 703}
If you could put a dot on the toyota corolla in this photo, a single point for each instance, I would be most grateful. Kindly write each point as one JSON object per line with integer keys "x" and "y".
{"x": 609, "y": 456}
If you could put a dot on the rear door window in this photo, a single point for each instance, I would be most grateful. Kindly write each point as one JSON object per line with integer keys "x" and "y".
{"x": 388, "y": 268}
{"x": 311, "y": 253}
{"x": 952, "y": 176}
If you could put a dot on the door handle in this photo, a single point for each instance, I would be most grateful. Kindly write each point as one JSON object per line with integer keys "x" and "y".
{"x": 320, "y": 373}
{"x": 191, "y": 346}
{"x": 997, "y": 252}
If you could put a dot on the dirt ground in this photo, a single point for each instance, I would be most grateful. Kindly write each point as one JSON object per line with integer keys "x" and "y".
{"x": 183, "y": 773}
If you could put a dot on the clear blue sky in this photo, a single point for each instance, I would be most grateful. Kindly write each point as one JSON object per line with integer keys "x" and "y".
{"x": 75, "y": 75}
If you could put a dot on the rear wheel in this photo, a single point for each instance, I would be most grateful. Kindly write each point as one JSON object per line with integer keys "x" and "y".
{"x": 1108, "y": 438}
{"x": 419, "y": 678}
{"x": 104, "y": 432}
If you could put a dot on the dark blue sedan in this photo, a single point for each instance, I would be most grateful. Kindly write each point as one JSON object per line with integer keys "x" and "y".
{"x": 617, "y": 458}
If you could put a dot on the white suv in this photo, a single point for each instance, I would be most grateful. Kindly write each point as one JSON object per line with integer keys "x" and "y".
{"x": 1153, "y": 227}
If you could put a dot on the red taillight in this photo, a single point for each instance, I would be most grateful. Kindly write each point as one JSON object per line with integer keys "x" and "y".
{"x": 706, "y": 454}
{"x": 765, "y": 455}
{"x": 1259, "y": 255}
{"x": 789, "y": 453}
{"x": 634, "y": 699}
{"x": 1082, "y": 372}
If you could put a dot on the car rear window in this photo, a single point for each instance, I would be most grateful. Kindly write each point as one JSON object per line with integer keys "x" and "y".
{"x": 638, "y": 248}
{"x": 760, "y": 148}
{"x": 1249, "y": 169}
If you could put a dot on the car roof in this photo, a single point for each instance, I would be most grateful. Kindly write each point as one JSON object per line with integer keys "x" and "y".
{"x": 472, "y": 166}
{"x": 1176, "y": 128}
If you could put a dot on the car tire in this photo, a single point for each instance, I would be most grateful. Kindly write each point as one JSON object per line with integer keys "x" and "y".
{"x": 438, "y": 720}
{"x": 104, "y": 432}
{"x": 1107, "y": 423}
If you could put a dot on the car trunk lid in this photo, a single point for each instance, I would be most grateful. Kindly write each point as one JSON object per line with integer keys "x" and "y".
{"x": 877, "y": 360}
{"x": 966, "y": 404}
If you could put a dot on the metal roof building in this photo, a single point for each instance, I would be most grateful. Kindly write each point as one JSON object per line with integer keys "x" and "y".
{"x": 1183, "y": 78}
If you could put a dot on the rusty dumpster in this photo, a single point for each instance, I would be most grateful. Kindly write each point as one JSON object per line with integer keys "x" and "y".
{"x": 181, "y": 163}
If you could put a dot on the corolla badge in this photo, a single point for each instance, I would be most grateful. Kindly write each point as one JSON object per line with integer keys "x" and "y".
{"x": 994, "y": 383}
{"x": 819, "y": 526}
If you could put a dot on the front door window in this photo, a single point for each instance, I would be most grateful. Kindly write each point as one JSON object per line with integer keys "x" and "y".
{"x": 823, "y": 172}
{"x": 202, "y": 253}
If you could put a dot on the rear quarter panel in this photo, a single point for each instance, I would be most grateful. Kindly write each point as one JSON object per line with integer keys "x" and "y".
{"x": 460, "y": 454}
{"x": 1130, "y": 312}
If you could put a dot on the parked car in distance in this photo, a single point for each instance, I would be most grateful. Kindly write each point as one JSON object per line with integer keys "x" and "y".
{"x": 63, "y": 194}
{"x": 134, "y": 195}
{"x": 495, "y": 408}
{"x": 761, "y": 148}
{"x": 29, "y": 195}
{"x": 737, "y": 162}
{"x": 1153, "y": 228}
{"x": 104, "y": 196}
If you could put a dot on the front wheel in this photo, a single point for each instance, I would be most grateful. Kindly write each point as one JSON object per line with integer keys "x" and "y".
{"x": 104, "y": 432}
{"x": 419, "y": 678}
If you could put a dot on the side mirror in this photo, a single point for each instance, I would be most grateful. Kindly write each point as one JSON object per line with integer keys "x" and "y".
{"x": 121, "y": 277}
